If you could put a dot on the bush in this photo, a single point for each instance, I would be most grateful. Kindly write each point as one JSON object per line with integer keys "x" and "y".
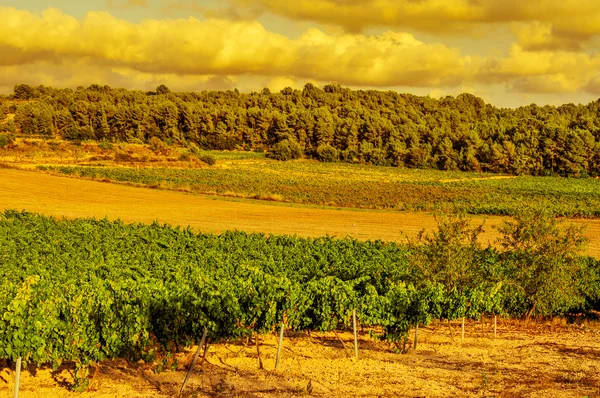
{"x": 450, "y": 256}
{"x": 327, "y": 153}
{"x": 158, "y": 147}
{"x": 6, "y": 139}
{"x": 105, "y": 145}
{"x": 185, "y": 156}
{"x": 73, "y": 133}
{"x": 589, "y": 283}
{"x": 123, "y": 157}
{"x": 285, "y": 150}
{"x": 543, "y": 259}
{"x": 193, "y": 148}
{"x": 349, "y": 155}
{"x": 8, "y": 127}
{"x": 208, "y": 159}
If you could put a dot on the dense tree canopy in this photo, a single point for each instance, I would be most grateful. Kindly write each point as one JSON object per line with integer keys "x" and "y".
{"x": 332, "y": 123}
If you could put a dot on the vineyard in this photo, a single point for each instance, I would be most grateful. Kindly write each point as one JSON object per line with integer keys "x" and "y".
{"x": 85, "y": 290}
{"x": 357, "y": 186}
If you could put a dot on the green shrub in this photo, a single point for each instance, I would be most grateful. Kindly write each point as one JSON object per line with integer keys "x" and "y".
{"x": 6, "y": 139}
{"x": 123, "y": 157}
{"x": 185, "y": 156}
{"x": 327, "y": 153}
{"x": 208, "y": 159}
{"x": 285, "y": 150}
{"x": 193, "y": 148}
{"x": 8, "y": 127}
{"x": 543, "y": 258}
{"x": 105, "y": 145}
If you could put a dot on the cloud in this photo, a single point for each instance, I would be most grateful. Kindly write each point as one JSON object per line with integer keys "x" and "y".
{"x": 124, "y": 4}
{"x": 541, "y": 72}
{"x": 389, "y": 59}
{"x": 54, "y": 48}
{"x": 279, "y": 83}
{"x": 199, "y": 7}
{"x": 594, "y": 85}
{"x": 458, "y": 16}
{"x": 224, "y": 47}
{"x": 356, "y": 15}
{"x": 537, "y": 36}
{"x": 548, "y": 84}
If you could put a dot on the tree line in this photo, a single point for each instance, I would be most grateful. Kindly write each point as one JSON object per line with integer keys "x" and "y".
{"x": 332, "y": 123}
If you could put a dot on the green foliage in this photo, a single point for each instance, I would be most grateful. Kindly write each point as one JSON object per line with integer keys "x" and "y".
{"x": 285, "y": 150}
{"x": 452, "y": 257}
{"x": 327, "y": 153}
{"x": 8, "y": 127}
{"x": 370, "y": 154}
{"x": 35, "y": 118}
{"x": 162, "y": 89}
{"x": 24, "y": 92}
{"x": 106, "y": 145}
{"x": 589, "y": 284}
{"x": 381, "y": 128}
{"x": 357, "y": 186}
{"x": 119, "y": 287}
{"x": 85, "y": 290}
{"x": 6, "y": 139}
{"x": 185, "y": 156}
{"x": 207, "y": 158}
{"x": 122, "y": 157}
{"x": 544, "y": 261}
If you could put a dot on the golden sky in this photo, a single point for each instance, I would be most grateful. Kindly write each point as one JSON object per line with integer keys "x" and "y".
{"x": 509, "y": 52}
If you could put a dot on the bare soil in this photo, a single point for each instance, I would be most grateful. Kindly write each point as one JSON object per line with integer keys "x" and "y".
{"x": 527, "y": 359}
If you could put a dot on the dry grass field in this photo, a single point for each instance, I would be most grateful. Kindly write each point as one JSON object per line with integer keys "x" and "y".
{"x": 527, "y": 359}
{"x": 249, "y": 175}
{"x": 69, "y": 197}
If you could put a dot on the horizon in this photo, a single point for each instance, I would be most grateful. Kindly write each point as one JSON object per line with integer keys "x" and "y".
{"x": 300, "y": 89}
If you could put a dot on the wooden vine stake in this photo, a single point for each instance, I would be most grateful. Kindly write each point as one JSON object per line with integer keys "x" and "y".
{"x": 260, "y": 363}
{"x": 494, "y": 326}
{"x": 462, "y": 338}
{"x": 416, "y": 334}
{"x": 451, "y": 331}
{"x": 355, "y": 336}
{"x": 279, "y": 345}
{"x": 17, "y": 377}
{"x": 189, "y": 372}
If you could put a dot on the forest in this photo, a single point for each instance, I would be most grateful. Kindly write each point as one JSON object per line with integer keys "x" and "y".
{"x": 332, "y": 123}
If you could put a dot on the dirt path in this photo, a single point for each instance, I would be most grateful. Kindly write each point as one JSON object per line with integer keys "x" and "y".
{"x": 69, "y": 197}
{"x": 546, "y": 359}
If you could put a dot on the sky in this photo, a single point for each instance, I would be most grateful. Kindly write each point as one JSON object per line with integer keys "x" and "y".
{"x": 508, "y": 52}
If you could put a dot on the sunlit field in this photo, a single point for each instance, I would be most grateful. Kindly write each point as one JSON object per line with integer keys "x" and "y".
{"x": 250, "y": 175}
